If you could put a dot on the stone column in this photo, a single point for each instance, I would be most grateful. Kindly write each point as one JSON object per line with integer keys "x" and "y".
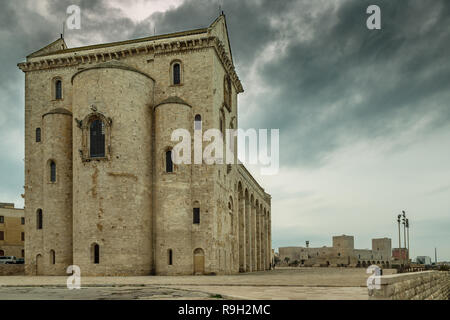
{"x": 258, "y": 238}
{"x": 248, "y": 239}
{"x": 242, "y": 241}
{"x": 269, "y": 236}
{"x": 266, "y": 240}
{"x": 263, "y": 247}
{"x": 254, "y": 237}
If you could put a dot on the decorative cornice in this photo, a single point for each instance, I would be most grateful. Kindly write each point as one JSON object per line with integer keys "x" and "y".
{"x": 80, "y": 58}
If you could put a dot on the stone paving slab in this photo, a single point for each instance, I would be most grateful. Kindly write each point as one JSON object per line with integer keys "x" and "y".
{"x": 103, "y": 293}
{"x": 309, "y": 277}
{"x": 280, "y": 284}
{"x": 284, "y": 293}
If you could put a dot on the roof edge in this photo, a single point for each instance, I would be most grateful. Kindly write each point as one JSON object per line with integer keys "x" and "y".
{"x": 58, "y": 111}
{"x": 113, "y": 64}
{"x": 125, "y": 42}
{"x": 173, "y": 100}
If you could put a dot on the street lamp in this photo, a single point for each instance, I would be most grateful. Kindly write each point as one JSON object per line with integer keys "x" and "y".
{"x": 407, "y": 228}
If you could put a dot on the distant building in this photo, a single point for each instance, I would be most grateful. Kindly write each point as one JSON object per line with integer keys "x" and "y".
{"x": 400, "y": 254}
{"x": 12, "y": 234}
{"x": 424, "y": 260}
{"x": 342, "y": 253}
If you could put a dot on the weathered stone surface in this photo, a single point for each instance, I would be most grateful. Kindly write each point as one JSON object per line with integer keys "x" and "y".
{"x": 125, "y": 203}
{"x": 12, "y": 269}
{"x": 429, "y": 285}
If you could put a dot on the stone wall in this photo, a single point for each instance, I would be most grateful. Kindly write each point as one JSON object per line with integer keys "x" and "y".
{"x": 428, "y": 285}
{"x": 12, "y": 270}
{"x": 122, "y": 213}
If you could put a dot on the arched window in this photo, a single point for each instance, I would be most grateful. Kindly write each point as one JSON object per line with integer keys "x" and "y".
{"x": 170, "y": 257}
{"x": 97, "y": 139}
{"x": 52, "y": 257}
{"x": 23, "y": 253}
{"x": 198, "y": 122}
{"x": 38, "y": 134}
{"x": 169, "y": 162}
{"x": 95, "y": 252}
{"x": 176, "y": 73}
{"x": 39, "y": 219}
{"x": 52, "y": 171}
{"x": 58, "y": 89}
{"x": 2, "y": 253}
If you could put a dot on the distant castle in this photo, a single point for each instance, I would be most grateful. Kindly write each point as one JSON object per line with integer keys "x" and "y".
{"x": 342, "y": 253}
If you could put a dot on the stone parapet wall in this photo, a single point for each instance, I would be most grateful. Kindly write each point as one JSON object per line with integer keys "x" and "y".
{"x": 428, "y": 285}
{"x": 12, "y": 270}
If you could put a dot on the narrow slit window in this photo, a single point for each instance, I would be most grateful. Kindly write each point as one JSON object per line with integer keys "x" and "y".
{"x": 170, "y": 257}
{"x": 176, "y": 73}
{"x": 196, "y": 217}
{"x": 52, "y": 257}
{"x": 96, "y": 254}
{"x": 52, "y": 171}
{"x": 38, "y": 135}
{"x": 169, "y": 162}
{"x": 58, "y": 89}
{"x": 39, "y": 219}
{"x": 198, "y": 122}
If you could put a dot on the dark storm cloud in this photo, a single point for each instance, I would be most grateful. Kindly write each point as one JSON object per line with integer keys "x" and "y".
{"x": 341, "y": 83}
{"x": 332, "y": 81}
{"x": 349, "y": 83}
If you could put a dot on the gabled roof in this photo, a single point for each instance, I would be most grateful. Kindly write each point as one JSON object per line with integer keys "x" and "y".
{"x": 55, "y": 46}
{"x": 224, "y": 37}
{"x": 125, "y": 42}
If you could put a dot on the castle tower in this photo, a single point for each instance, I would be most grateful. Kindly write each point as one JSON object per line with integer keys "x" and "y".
{"x": 172, "y": 196}
{"x": 57, "y": 192}
{"x": 112, "y": 170}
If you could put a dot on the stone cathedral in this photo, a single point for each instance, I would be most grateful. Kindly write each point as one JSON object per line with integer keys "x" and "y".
{"x": 102, "y": 191}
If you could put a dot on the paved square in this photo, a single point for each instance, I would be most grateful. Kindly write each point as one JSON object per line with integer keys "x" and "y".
{"x": 283, "y": 283}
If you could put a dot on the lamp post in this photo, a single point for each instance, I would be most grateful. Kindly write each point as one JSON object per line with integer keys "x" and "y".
{"x": 404, "y": 226}
{"x": 407, "y": 230}
{"x": 399, "y": 234}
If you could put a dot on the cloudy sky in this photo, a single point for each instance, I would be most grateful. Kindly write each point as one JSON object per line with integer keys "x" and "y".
{"x": 364, "y": 116}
